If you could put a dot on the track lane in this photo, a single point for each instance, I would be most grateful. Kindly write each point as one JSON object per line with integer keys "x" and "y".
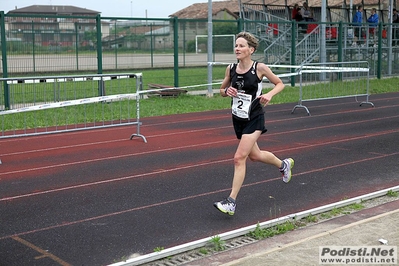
{"x": 96, "y": 148}
{"x": 177, "y": 157}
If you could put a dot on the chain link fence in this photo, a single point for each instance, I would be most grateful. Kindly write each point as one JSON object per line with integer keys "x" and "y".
{"x": 37, "y": 45}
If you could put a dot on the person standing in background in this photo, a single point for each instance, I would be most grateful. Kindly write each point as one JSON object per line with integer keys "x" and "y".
{"x": 373, "y": 20}
{"x": 357, "y": 23}
{"x": 306, "y": 12}
{"x": 395, "y": 28}
{"x": 296, "y": 13}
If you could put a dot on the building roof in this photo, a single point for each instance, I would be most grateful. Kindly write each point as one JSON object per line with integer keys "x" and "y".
{"x": 53, "y": 10}
{"x": 200, "y": 10}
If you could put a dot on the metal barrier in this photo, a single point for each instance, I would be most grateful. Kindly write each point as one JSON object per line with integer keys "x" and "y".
{"x": 321, "y": 81}
{"x": 333, "y": 80}
{"x": 54, "y": 104}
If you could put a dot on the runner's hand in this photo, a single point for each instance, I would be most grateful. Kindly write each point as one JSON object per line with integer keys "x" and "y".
{"x": 265, "y": 99}
{"x": 232, "y": 92}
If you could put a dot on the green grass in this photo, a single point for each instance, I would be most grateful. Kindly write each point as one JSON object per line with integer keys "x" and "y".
{"x": 311, "y": 218}
{"x": 203, "y": 251}
{"x": 158, "y": 249}
{"x": 261, "y": 233}
{"x": 392, "y": 193}
{"x": 217, "y": 243}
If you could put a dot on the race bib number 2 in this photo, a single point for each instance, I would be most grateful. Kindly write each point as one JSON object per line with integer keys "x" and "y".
{"x": 241, "y": 105}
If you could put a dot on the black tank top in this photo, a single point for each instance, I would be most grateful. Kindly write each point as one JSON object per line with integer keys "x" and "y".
{"x": 248, "y": 83}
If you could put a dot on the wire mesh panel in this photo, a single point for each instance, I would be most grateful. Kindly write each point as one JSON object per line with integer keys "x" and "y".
{"x": 132, "y": 43}
{"x": 54, "y": 104}
{"x": 43, "y": 44}
{"x": 334, "y": 80}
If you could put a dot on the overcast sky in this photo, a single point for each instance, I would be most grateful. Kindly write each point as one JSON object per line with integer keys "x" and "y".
{"x": 112, "y": 8}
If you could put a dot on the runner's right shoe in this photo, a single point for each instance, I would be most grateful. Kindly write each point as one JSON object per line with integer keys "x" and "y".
{"x": 225, "y": 206}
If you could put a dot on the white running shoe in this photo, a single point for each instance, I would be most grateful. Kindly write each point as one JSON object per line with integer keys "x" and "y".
{"x": 225, "y": 206}
{"x": 286, "y": 170}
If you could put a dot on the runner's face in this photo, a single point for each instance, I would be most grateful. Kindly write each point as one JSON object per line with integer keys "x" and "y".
{"x": 242, "y": 49}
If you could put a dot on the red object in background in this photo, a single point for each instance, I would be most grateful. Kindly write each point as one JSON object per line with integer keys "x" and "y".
{"x": 331, "y": 33}
{"x": 384, "y": 34}
{"x": 311, "y": 27}
{"x": 273, "y": 27}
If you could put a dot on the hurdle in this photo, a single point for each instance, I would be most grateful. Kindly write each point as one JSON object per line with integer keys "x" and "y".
{"x": 53, "y": 104}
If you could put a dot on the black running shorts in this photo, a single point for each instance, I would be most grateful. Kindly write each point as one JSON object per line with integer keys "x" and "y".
{"x": 248, "y": 127}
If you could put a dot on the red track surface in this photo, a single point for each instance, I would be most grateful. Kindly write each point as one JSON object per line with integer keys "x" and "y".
{"x": 94, "y": 197}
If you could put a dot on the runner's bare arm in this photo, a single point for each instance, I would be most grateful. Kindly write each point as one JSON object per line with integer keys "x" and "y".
{"x": 225, "y": 83}
{"x": 265, "y": 71}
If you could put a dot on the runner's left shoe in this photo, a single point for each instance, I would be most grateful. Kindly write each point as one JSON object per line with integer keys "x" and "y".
{"x": 286, "y": 170}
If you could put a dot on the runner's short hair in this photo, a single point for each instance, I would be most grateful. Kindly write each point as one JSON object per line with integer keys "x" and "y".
{"x": 251, "y": 40}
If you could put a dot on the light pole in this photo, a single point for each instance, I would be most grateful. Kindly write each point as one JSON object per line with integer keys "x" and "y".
{"x": 210, "y": 48}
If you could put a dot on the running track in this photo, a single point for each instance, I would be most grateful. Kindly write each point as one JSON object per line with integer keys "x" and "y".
{"x": 96, "y": 197}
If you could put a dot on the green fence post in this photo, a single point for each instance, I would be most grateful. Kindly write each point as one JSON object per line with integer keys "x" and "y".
{"x": 379, "y": 62}
{"x": 116, "y": 47}
{"x": 340, "y": 40}
{"x": 340, "y": 52}
{"x": 77, "y": 45}
{"x": 4, "y": 60}
{"x": 33, "y": 47}
{"x": 293, "y": 51}
{"x": 99, "y": 46}
{"x": 176, "y": 51}
{"x": 239, "y": 24}
{"x": 152, "y": 46}
{"x": 184, "y": 43}
{"x": 101, "y": 87}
